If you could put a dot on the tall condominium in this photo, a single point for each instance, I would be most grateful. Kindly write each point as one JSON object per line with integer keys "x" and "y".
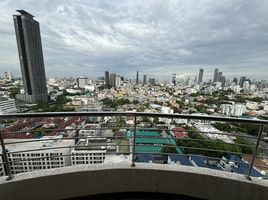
{"x": 112, "y": 82}
{"x": 137, "y": 77}
{"x": 144, "y": 79}
{"x": 241, "y": 81}
{"x": 174, "y": 79}
{"x": 200, "y": 76}
{"x": 215, "y": 77}
{"x": 31, "y": 58}
{"x": 107, "y": 79}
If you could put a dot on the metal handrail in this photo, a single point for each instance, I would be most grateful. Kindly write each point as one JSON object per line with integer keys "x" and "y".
{"x": 136, "y": 115}
{"x": 133, "y": 114}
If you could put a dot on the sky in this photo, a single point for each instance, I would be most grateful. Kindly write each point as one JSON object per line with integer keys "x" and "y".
{"x": 158, "y": 38}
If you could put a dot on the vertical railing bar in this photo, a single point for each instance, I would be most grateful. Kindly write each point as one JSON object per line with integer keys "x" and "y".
{"x": 134, "y": 142}
{"x": 255, "y": 152}
{"x": 5, "y": 158}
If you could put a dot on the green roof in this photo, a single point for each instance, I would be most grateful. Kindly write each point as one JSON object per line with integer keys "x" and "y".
{"x": 148, "y": 149}
{"x": 150, "y": 138}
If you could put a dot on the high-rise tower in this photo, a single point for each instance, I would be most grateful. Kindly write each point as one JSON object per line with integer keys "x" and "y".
{"x": 200, "y": 76}
{"x": 145, "y": 79}
{"x": 174, "y": 79}
{"x": 215, "y": 77}
{"x": 137, "y": 77}
{"x": 107, "y": 79}
{"x": 31, "y": 58}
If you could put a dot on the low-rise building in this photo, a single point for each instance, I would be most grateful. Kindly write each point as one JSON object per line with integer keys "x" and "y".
{"x": 90, "y": 130}
{"x": 7, "y": 106}
{"x": 43, "y": 156}
{"x": 92, "y": 151}
{"x": 2, "y": 169}
{"x": 233, "y": 110}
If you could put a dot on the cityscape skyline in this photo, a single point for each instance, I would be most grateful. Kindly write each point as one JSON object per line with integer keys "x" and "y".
{"x": 103, "y": 49}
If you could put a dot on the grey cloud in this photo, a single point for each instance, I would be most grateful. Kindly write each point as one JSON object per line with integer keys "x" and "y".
{"x": 156, "y": 37}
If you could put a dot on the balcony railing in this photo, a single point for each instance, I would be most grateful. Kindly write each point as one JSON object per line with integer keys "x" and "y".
{"x": 138, "y": 143}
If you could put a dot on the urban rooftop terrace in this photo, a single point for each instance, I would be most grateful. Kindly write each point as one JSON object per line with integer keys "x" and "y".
{"x": 141, "y": 156}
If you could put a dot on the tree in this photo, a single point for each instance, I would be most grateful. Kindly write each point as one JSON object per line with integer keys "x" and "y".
{"x": 135, "y": 102}
{"x": 14, "y": 91}
{"x": 61, "y": 99}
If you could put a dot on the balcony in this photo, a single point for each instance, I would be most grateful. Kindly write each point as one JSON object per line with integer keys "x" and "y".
{"x": 108, "y": 160}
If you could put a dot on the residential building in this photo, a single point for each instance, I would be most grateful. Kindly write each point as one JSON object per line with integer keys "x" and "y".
{"x": 2, "y": 169}
{"x": 7, "y": 106}
{"x": 107, "y": 79}
{"x": 82, "y": 82}
{"x": 112, "y": 79}
{"x": 91, "y": 150}
{"x": 215, "y": 77}
{"x": 90, "y": 130}
{"x": 233, "y": 110}
{"x": 40, "y": 158}
{"x": 118, "y": 81}
{"x": 31, "y": 58}
{"x": 137, "y": 77}
{"x": 144, "y": 79}
{"x": 252, "y": 105}
{"x": 174, "y": 79}
{"x": 200, "y": 76}
{"x": 241, "y": 81}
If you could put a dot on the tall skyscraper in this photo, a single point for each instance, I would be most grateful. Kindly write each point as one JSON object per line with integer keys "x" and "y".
{"x": 31, "y": 58}
{"x": 219, "y": 77}
{"x": 107, "y": 79}
{"x": 200, "y": 76}
{"x": 174, "y": 79}
{"x": 137, "y": 77}
{"x": 223, "y": 81}
{"x": 118, "y": 81}
{"x": 241, "y": 81}
{"x": 144, "y": 79}
{"x": 215, "y": 77}
{"x": 235, "y": 81}
{"x": 112, "y": 80}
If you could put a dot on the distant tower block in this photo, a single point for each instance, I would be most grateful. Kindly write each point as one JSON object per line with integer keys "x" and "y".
{"x": 31, "y": 58}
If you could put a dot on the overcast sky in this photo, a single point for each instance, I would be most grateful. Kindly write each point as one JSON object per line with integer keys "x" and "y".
{"x": 157, "y": 38}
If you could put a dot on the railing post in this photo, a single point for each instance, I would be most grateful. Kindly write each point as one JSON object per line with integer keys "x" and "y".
{"x": 134, "y": 142}
{"x": 5, "y": 158}
{"x": 255, "y": 152}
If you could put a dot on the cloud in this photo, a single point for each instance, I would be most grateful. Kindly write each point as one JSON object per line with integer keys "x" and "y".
{"x": 158, "y": 38}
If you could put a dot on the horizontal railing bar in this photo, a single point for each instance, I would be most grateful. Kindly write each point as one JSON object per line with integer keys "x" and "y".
{"x": 57, "y": 156}
{"x": 138, "y": 114}
{"x": 64, "y": 147}
{"x": 195, "y": 155}
{"x": 95, "y": 145}
{"x": 66, "y": 138}
{"x": 159, "y": 130}
{"x": 217, "y": 141}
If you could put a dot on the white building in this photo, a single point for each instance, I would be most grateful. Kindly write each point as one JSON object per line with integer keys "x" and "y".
{"x": 252, "y": 105}
{"x": 52, "y": 158}
{"x": 167, "y": 110}
{"x": 118, "y": 81}
{"x": 89, "y": 88}
{"x": 233, "y": 110}
{"x": 7, "y": 106}
{"x": 82, "y": 82}
{"x": 246, "y": 85}
{"x": 91, "y": 151}
{"x": 90, "y": 130}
